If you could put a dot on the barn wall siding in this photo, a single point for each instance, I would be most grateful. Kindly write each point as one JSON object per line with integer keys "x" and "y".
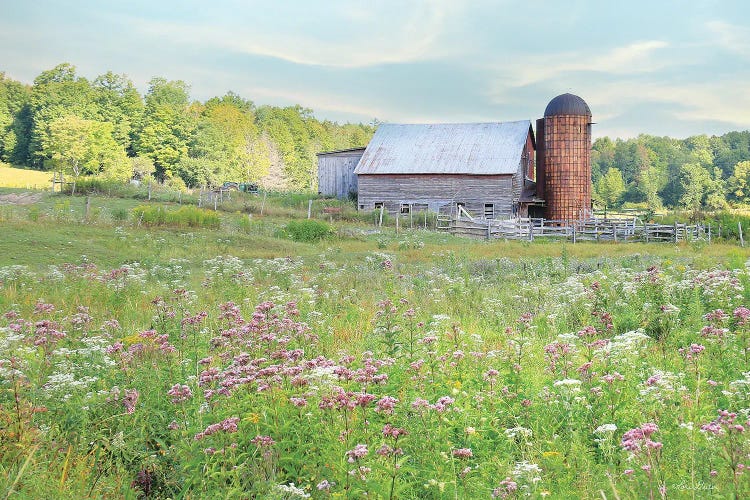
{"x": 336, "y": 175}
{"x": 435, "y": 190}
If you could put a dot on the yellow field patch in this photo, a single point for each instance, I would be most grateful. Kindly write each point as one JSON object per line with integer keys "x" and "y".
{"x": 23, "y": 178}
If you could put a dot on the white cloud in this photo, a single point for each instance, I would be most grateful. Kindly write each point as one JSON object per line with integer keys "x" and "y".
{"x": 731, "y": 37}
{"x": 638, "y": 57}
{"x": 716, "y": 101}
{"x": 390, "y": 32}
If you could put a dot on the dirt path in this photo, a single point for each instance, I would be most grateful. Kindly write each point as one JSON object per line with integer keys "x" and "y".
{"x": 20, "y": 198}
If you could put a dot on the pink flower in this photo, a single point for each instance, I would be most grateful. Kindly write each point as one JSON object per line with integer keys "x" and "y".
{"x": 324, "y": 485}
{"x": 263, "y": 441}
{"x": 180, "y": 393}
{"x": 130, "y": 399}
{"x": 394, "y": 432}
{"x": 635, "y": 439}
{"x": 506, "y": 488}
{"x": 359, "y": 451}
{"x": 386, "y": 405}
{"x": 463, "y": 453}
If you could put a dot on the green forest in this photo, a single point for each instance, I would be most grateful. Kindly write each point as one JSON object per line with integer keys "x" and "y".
{"x": 104, "y": 127}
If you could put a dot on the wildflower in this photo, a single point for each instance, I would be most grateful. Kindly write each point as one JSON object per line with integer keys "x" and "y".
{"x": 325, "y": 485}
{"x": 361, "y": 472}
{"x": 518, "y": 431}
{"x": 394, "y": 432}
{"x": 291, "y": 491}
{"x": 359, "y": 451}
{"x": 386, "y": 405}
{"x": 263, "y": 441}
{"x": 180, "y": 393}
{"x": 635, "y": 439}
{"x": 442, "y": 404}
{"x": 388, "y": 451}
{"x": 463, "y": 453}
{"x": 742, "y": 315}
{"x": 130, "y": 399}
{"x": 228, "y": 425}
{"x": 298, "y": 402}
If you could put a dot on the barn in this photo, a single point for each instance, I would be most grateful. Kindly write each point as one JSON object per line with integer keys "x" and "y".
{"x": 490, "y": 170}
{"x": 336, "y": 175}
{"x": 482, "y": 167}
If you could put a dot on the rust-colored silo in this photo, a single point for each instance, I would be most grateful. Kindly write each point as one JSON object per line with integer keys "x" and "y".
{"x": 566, "y": 163}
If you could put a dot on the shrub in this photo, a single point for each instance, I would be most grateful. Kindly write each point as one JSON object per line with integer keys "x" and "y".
{"x": 186, "y": 216}
{"x": 308, "y": 230}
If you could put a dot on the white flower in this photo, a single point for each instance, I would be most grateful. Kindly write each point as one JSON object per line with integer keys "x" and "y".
{"x": 513, "y": 432}
{"x": 605, "y": 429}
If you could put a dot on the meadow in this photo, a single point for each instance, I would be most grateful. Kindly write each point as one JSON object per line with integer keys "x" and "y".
{"x": 193, "y": 361}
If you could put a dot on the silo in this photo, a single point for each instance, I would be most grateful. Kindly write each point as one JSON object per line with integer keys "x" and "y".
{"x": 566, "y": 163}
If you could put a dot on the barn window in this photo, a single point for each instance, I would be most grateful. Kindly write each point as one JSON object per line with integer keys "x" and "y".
{"x": 489, "y": 210}
{"x": 378, "y": 204}
{"x": 405, "y": 208}
{"x": 362, "y": 207}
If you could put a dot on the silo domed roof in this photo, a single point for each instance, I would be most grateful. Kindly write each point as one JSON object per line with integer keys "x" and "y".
{"x": 567, "y": 104}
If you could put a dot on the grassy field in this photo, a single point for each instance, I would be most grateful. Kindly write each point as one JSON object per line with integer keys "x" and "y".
{"x": 187, "y": 362}
{"x": 23, "y": 178}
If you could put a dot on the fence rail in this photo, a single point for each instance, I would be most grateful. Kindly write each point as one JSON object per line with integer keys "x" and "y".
{"x": 587, "y": 230}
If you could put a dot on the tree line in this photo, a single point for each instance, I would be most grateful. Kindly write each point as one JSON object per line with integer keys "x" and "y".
{"x": 105, "y": 127}
{"x": 695, "y": 174}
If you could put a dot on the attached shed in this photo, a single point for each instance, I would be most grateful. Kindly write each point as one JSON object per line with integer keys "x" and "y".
{"x": 483, "y": 167}
{"x": 336, "y": 172}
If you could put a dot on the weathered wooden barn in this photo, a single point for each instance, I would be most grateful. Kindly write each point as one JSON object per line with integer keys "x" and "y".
{"x": 483, "y": 167}
{"x": 491, "y": 170}
{"x": 336, "y": 175}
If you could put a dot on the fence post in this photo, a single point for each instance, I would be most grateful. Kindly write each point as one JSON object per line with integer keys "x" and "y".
{"x": 489, "y": 225}
{"x": 531, "y": 231}
{"x": 676, "y": 239}
{"x": 309, "y": 209}
{"x": 398, "y": 216}
{"x": 742, "y": 240}
{"x": 380, "y": 221}
{"x": 574, "y": 234}
{"x": 88, "y": 206}
{"x": 263, "y": 203}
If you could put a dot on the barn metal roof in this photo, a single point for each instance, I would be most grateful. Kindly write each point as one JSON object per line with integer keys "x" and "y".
{"x": 445, "y": 148}
{"x": 341, "y": 151}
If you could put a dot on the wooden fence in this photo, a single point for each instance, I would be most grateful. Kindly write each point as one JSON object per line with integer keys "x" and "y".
{"x": 587, "y": 230}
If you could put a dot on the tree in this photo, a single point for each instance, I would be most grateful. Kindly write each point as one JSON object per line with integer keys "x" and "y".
{"x": 14, "y": 97}
{"x": 142, "y": 167}
{"x": 740, "y": 182}
{"x": 167, "y": 127}
{"x": 702, "y": 189}
{"x": 120, "y": 104}
{"x": 77, "y": 147}
{"x": 610, "y": 188}
{"x": 56, "y": 93}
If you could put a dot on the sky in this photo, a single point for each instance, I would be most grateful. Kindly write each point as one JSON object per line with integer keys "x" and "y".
{"x": 661, "y": 67}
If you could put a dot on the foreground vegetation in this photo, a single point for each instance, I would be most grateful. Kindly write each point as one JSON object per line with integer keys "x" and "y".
{"x": 233, "y": 361}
